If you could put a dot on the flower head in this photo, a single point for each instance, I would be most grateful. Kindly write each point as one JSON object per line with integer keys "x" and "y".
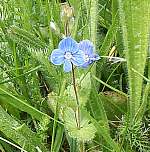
{"x": 89, "y": 56}
{"x": 68, "y": 53}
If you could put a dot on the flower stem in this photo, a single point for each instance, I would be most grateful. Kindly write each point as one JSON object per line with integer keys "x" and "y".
{"x": 77, "y": 99}
{"x": 77, "y": 115}
{"x": 81, "y": 146}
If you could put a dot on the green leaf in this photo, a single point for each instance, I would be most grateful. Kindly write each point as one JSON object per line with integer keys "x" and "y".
{"x": 20, "y": 134}
{"x": 85, "y": 88}
{"x": 58, "y": 138}
{"x": 105, "y": 13}
{"x": 48, "y": 70}
{"x": 72, "y": 143}
{"x": 1, "y": 148}
{"x": 22, "y": 105}
{"x": 114, "y": 104}
{"x": 102, "y": 130}
{"x": 96, "y": 107}
{"x": 134, "y": 20}
{"x": 25, "y": 38}
{"x": 87, "y": 130}
{"x": 93, "y": 21}
{"x": 140, "y": 113}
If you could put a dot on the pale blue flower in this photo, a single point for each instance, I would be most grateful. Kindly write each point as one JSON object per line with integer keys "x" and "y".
{"x": 68, "y": 53}
{"x": 89, "y": 56}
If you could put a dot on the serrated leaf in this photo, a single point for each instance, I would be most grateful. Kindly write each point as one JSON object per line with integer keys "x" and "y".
{"x": 84, "y": 89}
{"x": 87, "y": 130}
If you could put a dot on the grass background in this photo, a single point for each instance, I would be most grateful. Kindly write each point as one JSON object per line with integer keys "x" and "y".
{"x": 117, "y": 93}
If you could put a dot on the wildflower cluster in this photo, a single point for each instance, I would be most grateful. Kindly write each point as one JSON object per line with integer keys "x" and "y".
{"x": 70, "y": 53}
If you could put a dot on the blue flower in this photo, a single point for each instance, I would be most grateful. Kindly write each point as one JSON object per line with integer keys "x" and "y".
{"x": 68, "y": 53}
{"x": 89, "y": 56}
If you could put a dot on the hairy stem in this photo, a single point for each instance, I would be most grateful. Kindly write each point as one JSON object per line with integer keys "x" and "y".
{"x": 77, "y": 99}
{"x": 81, "y": 146}
{"x": 77, "y": 115}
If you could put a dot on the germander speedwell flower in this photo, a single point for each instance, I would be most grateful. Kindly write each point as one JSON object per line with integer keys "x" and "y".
{"x": 68, "y": 53}
{"x": 89, "y": 56}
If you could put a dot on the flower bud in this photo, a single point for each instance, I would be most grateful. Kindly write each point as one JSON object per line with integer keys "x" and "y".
{"x": 66, "y": 11}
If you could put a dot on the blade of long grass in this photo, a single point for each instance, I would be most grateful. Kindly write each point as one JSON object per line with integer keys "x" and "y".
{"x": 116, "y": 90}
{"x": 58, "y": 138}
{"x": 5, "y": 140}
{"x": 26, "y": 73}
{"x": 23, "y": 106}
{"x": 20, "y": 134}
{"x": 57, "y": 114}
{"x": 102, "y": 130}
{"x": 134, "y": 20}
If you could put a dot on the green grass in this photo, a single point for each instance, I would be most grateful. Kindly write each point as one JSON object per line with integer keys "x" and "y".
{"x": 37, "y": 100}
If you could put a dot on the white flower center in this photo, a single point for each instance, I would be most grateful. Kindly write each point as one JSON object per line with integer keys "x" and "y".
{"x": 68, "y": 55}
{"x": 86, "y": 58}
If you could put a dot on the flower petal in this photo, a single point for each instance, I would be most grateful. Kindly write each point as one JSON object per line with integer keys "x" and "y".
{"x": 94, "y": 57}
{"x": 86, "y": 64}
{"x": 67, "y": 66}
{"x": 68, "y": 45}
{"x": 78, "y": 58}
{"x": 86, "y": 46}
{"x": 97, "y": 57}
{"x": 57, "y": 57}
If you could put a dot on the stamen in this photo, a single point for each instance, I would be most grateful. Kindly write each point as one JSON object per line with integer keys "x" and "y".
{"x": 86, "y": 58}
{"x": 68, "y": 55}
